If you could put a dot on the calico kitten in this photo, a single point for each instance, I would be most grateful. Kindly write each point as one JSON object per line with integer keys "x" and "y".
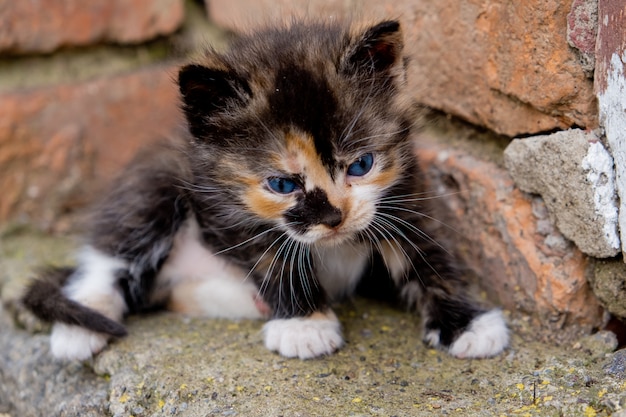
{"x": 297, "y": 187}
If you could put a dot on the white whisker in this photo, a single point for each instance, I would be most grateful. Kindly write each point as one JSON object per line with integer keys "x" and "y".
{"x": 417, "y": 213}
{"x": 418, "y": 250}
{"x": 258, "y": 235}
{"x": 407, "y": 198}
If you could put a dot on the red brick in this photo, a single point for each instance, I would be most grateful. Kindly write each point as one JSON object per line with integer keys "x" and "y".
{"x": 506, "y": 237}
{"x": 500, "y": 64}
{"x": 28, "y": 26}
{"x": 60, "y": 144}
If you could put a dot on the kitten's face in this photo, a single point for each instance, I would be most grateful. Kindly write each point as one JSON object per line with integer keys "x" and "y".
{"x": 318, "y": 203}
{"x": 306, "y": 124}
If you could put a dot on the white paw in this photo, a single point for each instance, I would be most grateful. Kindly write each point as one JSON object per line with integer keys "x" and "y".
{"x": 75, "y": 343}
{"x": 487, "y": 335}
{"x": 303, "y": 338}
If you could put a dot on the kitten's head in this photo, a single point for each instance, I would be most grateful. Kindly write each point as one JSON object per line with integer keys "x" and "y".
{"x": 306, "y": 127}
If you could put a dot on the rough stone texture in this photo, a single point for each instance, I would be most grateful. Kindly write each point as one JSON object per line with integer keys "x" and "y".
{"x": 607, "y": 282}
{"x": 500, "y": 64}
{"x": 617, "y": 366}
{"x": 508, "y": 238}
{"x": 610, "y": 83}
{"x": 59, "y": 143}
{"x": 573, "y": 173}
{"x": 27, "y": 27}
{"x": 46, "y": 388}
{"x": 172, "y": 366}
{"x": 30, "y": 382}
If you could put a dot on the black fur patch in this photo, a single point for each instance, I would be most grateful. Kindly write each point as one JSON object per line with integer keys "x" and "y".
{"x": 139, "y": 218}
{"x": 206, "y": 91}
{"x": 377, "y": 283}
{"x": 302, "y": 99}
{"x": 379, "y": 49}
{"x": 314, "y": 208}
{"x": 45, "y": 299}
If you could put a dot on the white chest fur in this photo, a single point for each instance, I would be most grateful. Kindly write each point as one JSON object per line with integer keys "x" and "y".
{"x": 340, "y": 267}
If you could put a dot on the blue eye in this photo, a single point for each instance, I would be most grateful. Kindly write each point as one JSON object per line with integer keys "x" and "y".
{"x": 282, "y": 185}
{"x": 361, "y": 166}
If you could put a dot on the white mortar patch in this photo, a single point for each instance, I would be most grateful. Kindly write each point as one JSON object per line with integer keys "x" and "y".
{"x": 612, "y": 103}
{"x": 599, "y": 166}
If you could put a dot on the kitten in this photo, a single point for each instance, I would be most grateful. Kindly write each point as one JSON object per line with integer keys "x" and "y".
{"x": 297, "y": 187}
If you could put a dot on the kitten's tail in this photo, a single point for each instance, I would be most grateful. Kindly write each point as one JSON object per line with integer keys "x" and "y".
{"x": 46, "y": 300}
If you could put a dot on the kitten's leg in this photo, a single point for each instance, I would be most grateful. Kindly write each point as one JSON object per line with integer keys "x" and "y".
{"x": 130, "y": 236}
{"x": 450, "y": 319}
{"x": 457, "y": 324}
{"x": 303, "y": 325}
{"x": 94, "y": 285}
{"x": 304, "y": 337}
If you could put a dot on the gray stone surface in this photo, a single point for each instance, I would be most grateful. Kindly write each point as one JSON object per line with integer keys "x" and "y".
{"x": 574, "y": 174}
{"x": 175, "y": 366}
{"x": 31, "y": 384}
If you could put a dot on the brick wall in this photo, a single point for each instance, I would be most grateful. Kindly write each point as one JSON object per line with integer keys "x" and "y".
{"x": 84, "y": 84}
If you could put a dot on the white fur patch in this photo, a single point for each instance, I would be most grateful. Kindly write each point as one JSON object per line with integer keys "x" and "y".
{"x": 487, "y": 335}
{"x": 95, "y": 276}
{"x": 218, "y": 298}
{"x": 93, "y": 285}
{"x": 69, "y": 342}
{"x": 205, "y": 284}
{"x": 339, "y": 268}
{"x": 304, "y": 338}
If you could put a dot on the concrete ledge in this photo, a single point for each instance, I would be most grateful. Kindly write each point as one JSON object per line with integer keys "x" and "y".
{"x": 170, "y": 365}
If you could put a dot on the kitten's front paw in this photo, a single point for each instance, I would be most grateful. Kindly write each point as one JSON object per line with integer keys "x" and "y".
{"x": 304, "y": 337}
{"x": 487, "y": 335}
{"x": 75, "y": 343}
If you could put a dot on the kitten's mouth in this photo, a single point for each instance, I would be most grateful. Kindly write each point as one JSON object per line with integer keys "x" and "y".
{"x": 335, "y": 237}
{"x": 327, "y": 237}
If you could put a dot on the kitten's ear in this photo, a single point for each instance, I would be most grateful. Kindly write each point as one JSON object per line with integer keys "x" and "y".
{"x": 377, "y": 49}
{"x": 208, "y": 90}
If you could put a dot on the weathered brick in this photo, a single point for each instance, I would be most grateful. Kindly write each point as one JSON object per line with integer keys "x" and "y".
{"x": 507, "y": 237}
{"x": 60, "y": 144}
{"x": 27, "y": 27}
{"x": 500, "y": 64}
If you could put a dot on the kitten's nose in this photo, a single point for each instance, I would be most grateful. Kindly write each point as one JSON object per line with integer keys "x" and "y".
{"x": 332, "y": 218}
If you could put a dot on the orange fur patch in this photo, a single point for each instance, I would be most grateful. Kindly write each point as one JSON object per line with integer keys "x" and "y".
{"x": 264, "y": 204}
{"x": 109, "y": 305}
{"x": 261, "y": 201}
{"x": 394, "y": 259}
{"x": 302, "y": 158}
{"x": 384, "y": 179}
{"x": 183, "y": 300}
